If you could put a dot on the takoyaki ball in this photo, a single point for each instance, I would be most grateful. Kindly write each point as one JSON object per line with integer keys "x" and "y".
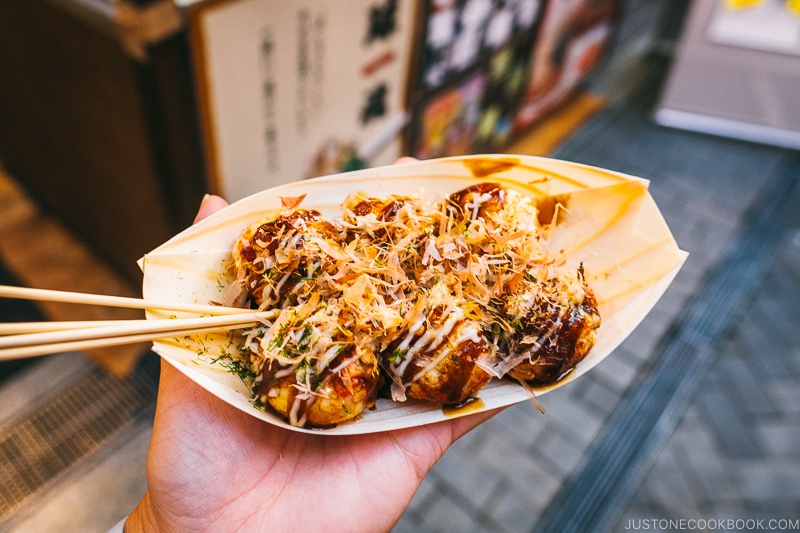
{"x": 555, "y": 333}
{"x": 336, "y": 394}
{"x": 482, "y": 200}
{"x": 449, "y": 375}
{"x": 357, "y": 205}
{"x": 372, "y": 216}
{"x": 437, "y": 361}
{"x": 273, "y": 259}
{"x": 495, "y": 220}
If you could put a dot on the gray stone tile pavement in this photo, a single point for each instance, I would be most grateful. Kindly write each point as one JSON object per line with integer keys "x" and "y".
{"x": 110, "y": 485}
{"x": 737, "y": 449}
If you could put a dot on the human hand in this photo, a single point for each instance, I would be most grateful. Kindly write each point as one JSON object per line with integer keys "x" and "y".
{"x": 212, "y": 467}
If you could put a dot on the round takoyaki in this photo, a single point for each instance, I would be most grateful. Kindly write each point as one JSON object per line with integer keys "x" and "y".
{"x": 482, "y": 200}
{"x": 278, "y": 257}
{"x": 554, "y": 327}
{"x": 435, "y": 358}
{"x": 311, "y": 374}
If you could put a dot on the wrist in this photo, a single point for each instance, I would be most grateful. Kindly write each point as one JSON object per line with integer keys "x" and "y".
{"x": 142, "y": 518}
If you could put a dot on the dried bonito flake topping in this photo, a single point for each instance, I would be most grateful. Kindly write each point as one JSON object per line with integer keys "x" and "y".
{"x": 291, "y": 202}
{"x": 410, "y": 297}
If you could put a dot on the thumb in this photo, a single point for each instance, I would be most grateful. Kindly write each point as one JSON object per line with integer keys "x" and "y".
{"x": 210, "y": 205}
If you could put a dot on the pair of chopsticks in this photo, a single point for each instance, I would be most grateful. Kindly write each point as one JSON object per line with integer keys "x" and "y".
{"x": 29, "y": 339}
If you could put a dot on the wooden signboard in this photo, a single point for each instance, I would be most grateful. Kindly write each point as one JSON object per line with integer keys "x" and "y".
{"x": 291, "y": 90}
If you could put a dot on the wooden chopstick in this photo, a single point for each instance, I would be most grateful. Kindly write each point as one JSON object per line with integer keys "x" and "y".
{"x": 35, "y": 344}
{"x": 26, "y": 293}
{"x": 17, "y": 328}
{"x": 133, "y": 327}
{"x": 46, "y": 349}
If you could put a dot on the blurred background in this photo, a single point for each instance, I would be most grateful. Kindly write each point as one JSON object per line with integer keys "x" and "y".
{"x": 116, "y": 117}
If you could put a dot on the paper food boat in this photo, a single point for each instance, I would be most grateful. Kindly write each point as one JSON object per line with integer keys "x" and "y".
{"x": 611, "y": 225}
